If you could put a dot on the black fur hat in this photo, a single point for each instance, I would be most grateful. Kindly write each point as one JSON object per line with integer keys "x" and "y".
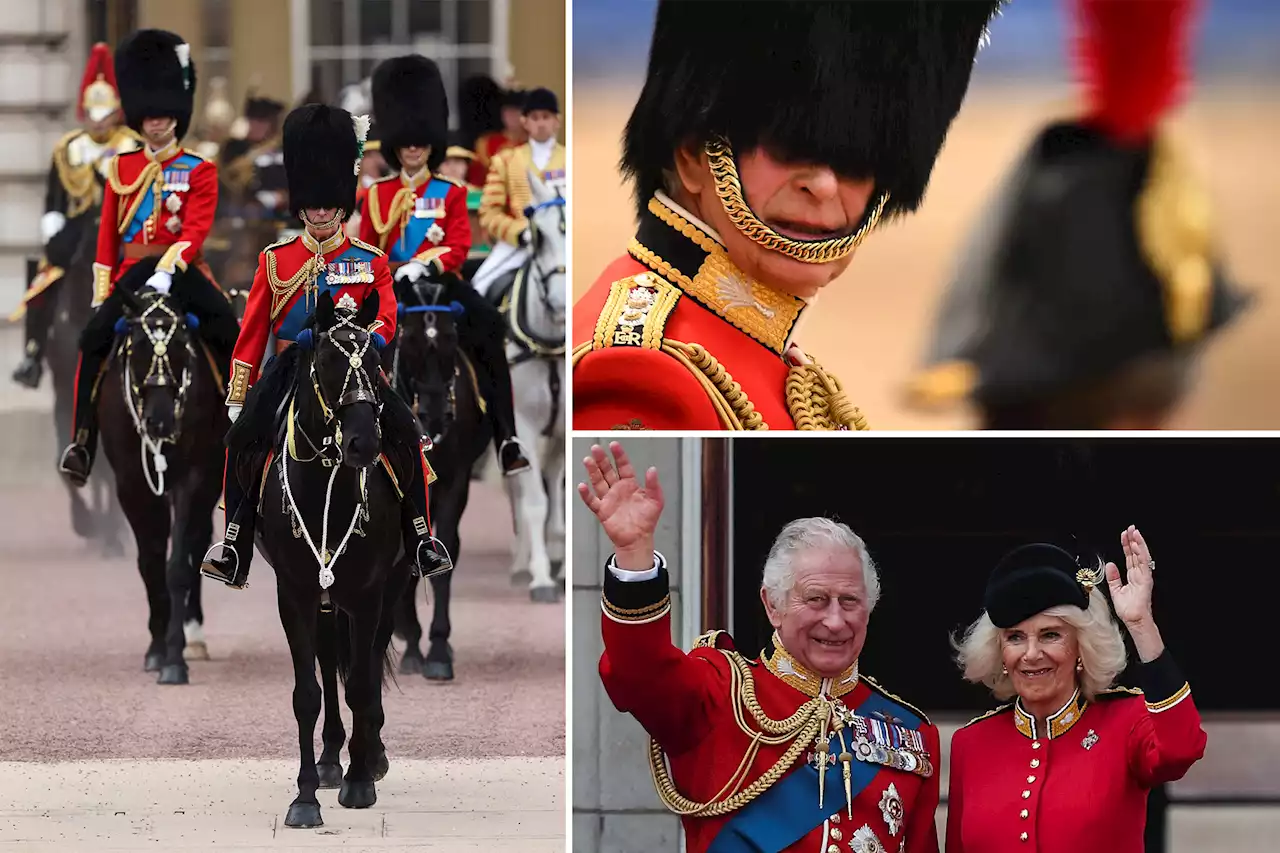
{"x": 866, "y": 86}
{"x": 541, "y": 99}
{"x": 320, "y": 154}
{"x": 411, "y": 108}
{"x": 157, "y": 78}
{"x": 1031, "y": 579}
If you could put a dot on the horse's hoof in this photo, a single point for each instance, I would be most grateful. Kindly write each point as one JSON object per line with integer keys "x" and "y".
{"x": 330, "y": 774}
{"x": 437, "y": 670}
{"x": 557, "y": 570}
{"x": 545, "y": 594}
{"x": 303, "y": 816}
{"x": 381, "y": 766}
{"x": 521, "y": 578}
{"x": 357, "y": 795}
{"x": 198, "y": 650}
{"x": 411, "y": 664}
{"x": 173, "y": 673}
{"x": 153, "y": 661}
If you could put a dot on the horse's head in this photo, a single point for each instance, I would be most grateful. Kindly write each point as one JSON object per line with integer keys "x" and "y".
{"x": 547, "y": 228}
{"x": 159, "y": 354}
{"x": 429, "y": 356}
{"x": 345, "y": 375}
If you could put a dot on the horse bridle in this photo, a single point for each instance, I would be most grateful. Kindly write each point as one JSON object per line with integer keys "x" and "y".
{"x": 530, "y": 348}
{"x": 357, "y": 387}
{"x": 429, "y": 294}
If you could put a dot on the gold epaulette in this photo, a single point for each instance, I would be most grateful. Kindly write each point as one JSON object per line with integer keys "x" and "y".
{"x": 377, "y": 253}
{"x": 1119, "y": 692}
{"x": 1007, "y": 706}
{"x": 708, "y": 639}
{"x": 636, "y": 312}
{"x": 448, "y": 180}
{"x": 393, "y": 177}
{"x": 78, "y": 181}
{"x": 279, "y": 243}
{"x": 195, "y": 154}
{"x": 871, "y": 682}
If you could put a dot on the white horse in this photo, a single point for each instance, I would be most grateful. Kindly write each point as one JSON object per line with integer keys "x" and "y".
{"x": 535, "y": 349}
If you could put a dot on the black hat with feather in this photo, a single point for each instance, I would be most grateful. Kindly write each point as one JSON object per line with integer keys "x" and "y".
{"x": 156, "y": 77}
{"x": 322, "y": 150}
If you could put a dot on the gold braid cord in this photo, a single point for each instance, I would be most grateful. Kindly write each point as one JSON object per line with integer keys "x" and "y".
{"x": 282, "y": 291}
{"x": 78, "y": 181}
{"x": 729, "y": 188}
{"x": 817, "y": 401}
{"x": 735, "y": 409}
{"x": 799, "y": 729}
{"x": 401, "y": 203}
{"x": 146, "y": 179}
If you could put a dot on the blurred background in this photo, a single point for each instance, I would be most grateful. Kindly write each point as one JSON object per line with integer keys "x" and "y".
{"x": 873, "y": 324}
{"x": 937, "y": 514}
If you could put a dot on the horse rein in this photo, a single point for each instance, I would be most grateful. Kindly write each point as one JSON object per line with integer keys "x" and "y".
{"x": 161, "y": 371}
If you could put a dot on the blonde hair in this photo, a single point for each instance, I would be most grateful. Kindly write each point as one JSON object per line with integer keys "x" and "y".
{"x": 1102, "y": 652}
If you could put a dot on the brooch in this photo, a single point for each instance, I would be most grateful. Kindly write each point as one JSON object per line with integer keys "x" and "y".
{"x": 1090, "y": 739}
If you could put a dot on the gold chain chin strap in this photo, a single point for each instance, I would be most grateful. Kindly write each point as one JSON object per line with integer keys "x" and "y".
{"x": 817, "y": 401}
{"x": 728, "y": 186}
{"x": 800, "y": 728}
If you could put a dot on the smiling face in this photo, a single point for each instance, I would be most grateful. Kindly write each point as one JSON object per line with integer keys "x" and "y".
{"x": 159, "y": 131}
{"x": 803, "y": 201}
{"x": 822, "y": 623}
{"x": 1040, "y": 654}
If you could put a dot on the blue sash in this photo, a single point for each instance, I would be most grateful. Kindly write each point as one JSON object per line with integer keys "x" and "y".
{"x": 177, "y": 173}
{"x": 788, "y": 811}
{"x": 415, "y": 231}
{"x": 297, "y": 314}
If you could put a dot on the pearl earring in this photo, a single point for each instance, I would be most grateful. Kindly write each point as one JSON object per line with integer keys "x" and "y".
{"x": 1004, "y": 670}
{"x": 1079, "y": 665}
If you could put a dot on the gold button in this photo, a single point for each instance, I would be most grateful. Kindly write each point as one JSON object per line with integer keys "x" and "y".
{"x": 1035, "y": 762}
{"x": 1026, "y": 794}
{"x": 835, "y": 834}
{"x": 1023, "y": 836}
{"x": 835, "y": 818}
{"x": 1023, "y": 814}
{"x": 833, "y": 849}
{"x": 1030, "y": 779}
{"x": 1035, "y": 744}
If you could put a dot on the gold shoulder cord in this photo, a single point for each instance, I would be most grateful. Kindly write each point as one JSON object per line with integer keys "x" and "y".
{"x": 78, "y": 181}
{"x": 401, "y": 203}
{"x": 817, "y": 401}
{"x": 801, "y": 728}
{"x": 147, "y": 177}
{"x": 282, "y": 291}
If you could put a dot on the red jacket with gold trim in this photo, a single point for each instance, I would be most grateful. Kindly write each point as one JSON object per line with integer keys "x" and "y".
{"x": 673, "y": 336}
{"x": 286, "y": 287}
{"x": 694, "y": 706}
{"x": 1081, "y": 785}
{"x": 425, "y": 220}
{"x": 167, "y": 200}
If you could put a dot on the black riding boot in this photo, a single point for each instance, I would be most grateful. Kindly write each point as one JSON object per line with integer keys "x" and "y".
{"x": 232, "y": 568}
{"x": 36, "y": 325}
{"x": 77, "y": 459}
{"x": 414, "y": 513}
{"x": 502, "y": 409}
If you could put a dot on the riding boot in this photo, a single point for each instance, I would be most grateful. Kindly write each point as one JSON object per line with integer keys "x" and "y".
{"x": 502, "y": 411}
{"x": 232, "y": 568}
{"x": 36, "y": 323}
{"x": 77, "y": 459}
{"x": 415, "y": 514}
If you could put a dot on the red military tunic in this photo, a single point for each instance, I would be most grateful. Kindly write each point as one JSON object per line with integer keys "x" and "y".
{"x": 673, "y": 336}
{"x": 488, "y": 146}
{"x": 689, "y": 704}
{"x": 285, "y": 290}
{"x": 154, "y": 204}
{"x": 1083, "y": 784}
{"x": 414, "y": 219}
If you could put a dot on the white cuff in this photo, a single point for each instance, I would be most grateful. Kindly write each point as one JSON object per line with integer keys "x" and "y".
{"x": 630, "y": 577}
{"x": 50, "y": 224}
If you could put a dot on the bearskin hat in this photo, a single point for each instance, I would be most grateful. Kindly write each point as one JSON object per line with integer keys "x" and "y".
{"x": 157, "y": 78}
{"x": 865, "y": 86}
{"x": 321, "y": 154}
{"x": 411, "y": 108}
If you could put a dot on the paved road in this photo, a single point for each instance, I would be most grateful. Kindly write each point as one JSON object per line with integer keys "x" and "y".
{"x": 72, "y": 636}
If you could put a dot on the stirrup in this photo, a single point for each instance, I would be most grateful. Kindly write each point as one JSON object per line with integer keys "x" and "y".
{"x": 210, "y": 571}
{"x": 524, "y": 454}
{"x": 76, "y": 477}
{"x": 418, "y": 561}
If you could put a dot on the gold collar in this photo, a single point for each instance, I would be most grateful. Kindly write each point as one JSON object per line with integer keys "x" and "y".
{"x": 1058, "y": 723}
{"x": 327, "y": 246}
{"x": 415, "y": 181}
{"x": 164, "y": 153}
{"x": 690, "y": 256}
{"x": 778, "y": 661}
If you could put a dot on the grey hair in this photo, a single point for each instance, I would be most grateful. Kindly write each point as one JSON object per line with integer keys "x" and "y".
{"x": 1101, "y": 649}
{"x": 804, "y": 534}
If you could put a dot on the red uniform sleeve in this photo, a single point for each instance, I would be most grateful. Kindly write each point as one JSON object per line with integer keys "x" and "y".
{"x": 104, "y": 260}
{"x": 674, "y": 696}
{"x": 255, "y": 328}
{"x": 1168, "y": 739}
{"x": 387, "y": 305}
{"x": 457, "y": 232}
{"x": 922, "y": 827}
{"x": 367, "y": 234}
{"x": 197, "y": 219}
{"x": 635, "y": 388}
{"x": 955, "y": 796}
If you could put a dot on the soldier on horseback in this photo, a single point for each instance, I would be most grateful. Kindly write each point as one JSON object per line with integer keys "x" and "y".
{"x": 73, "y": 197}
{"x": 159, "y": 203}
{"x": 420, "y": 219}
{"x": 322, "y": 152}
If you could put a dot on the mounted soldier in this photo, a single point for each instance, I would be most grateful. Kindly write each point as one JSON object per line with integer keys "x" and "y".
{"x": 420, "y": 219}
{"x": 159, "y": 203}
{"x": 72, "y": 200}
{"x": 322, "y": 151}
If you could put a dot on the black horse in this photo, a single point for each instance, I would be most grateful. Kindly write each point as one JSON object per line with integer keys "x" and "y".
{"x": 440, "y": 383}
{"x": 162, "y": 422}
{"x": 330, "y": 528}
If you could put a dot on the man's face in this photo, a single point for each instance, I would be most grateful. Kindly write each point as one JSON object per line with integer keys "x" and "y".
{"x": 455, "y": 167}
{"x": 541, "y": 125}
{"x": 100, "y": 130}
{"x": 822, "y": 622}
{"x": 323, "y": 220}
{"x": 512, "y": 121}
{"x": 158, "y": 131}
{"x": 803, "y": 201}
{"x": 413, "y": 158}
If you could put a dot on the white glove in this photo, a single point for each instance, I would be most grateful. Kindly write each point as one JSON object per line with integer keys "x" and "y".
{"x": 160, "y": 282}
{"x": 412, "y": 271}
{"x": 233, "y": 412}
{"x": 50, "y": 224}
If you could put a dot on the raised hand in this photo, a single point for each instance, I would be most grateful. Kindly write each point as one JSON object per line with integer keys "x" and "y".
{"x": 627, "y": 511}
{"x": 1132, "y": 599}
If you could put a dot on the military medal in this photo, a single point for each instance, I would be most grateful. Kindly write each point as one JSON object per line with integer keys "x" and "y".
{"x": 891, "y": 809}
{"x": 435, "y": 233}
{"x": 176, "y": 180}
{"x": 865, "y": 841}
{"x": 349, "y": 272}
{"x": 428, "y": 208}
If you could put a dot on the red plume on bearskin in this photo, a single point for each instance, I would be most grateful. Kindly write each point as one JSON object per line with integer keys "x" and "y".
{"x": 1132, "y": 56}
{"x": 98, "y": 65}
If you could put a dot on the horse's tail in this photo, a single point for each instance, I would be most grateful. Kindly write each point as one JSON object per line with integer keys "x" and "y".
{"x": 344, "y": 651}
